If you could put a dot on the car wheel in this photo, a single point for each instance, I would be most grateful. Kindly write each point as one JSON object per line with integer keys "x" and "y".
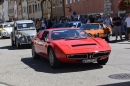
{"x": 17, "y": 44}
{"x": 12, "y": 42}
{"x": 103, "y": 62}
{"x": 54, "y": 62}
{"x": 34, "y": 54}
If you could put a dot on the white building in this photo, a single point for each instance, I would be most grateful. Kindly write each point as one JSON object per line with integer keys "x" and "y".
{"x": 4, "y": 11}
{"x": 24, "y": 9}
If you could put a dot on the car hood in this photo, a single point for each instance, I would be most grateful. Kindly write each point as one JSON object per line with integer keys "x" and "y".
{"x": 9, "y": 29}
{"x": 94, "y": 31}
{"x": 28, "y": 32}
{"x": 88, "y": 45}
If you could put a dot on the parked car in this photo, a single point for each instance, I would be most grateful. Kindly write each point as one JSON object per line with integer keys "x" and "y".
{"x": 97, "y": 30}
{"x": 73, "y": 24}
{"x": 23, "y": 32}
{"x": 69, "y": 45}
{"x": 6, "y": 29}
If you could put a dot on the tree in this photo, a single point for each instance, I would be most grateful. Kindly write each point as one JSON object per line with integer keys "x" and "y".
{"x": 124, "y": 5}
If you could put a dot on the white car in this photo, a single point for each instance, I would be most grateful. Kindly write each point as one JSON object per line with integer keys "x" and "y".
{"x": 6, "y": 29}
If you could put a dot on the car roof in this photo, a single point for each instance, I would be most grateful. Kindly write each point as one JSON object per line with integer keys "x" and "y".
{"x": 8, "y": 23}
{"x": 74, "y": 22}
{"x": 24, "y": 21}
{"x": 61, "y": 29}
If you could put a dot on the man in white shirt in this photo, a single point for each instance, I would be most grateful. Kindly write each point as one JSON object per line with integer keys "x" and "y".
{"x": 127, "y": 20}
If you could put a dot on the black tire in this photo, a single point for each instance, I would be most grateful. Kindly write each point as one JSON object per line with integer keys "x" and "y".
{"x": 17, "y": 44}
{"x": 54, "y": 62}
{"x": 103, "y": 62}
{"x": 12, "y": 43}
{"x": 35, "y": 56}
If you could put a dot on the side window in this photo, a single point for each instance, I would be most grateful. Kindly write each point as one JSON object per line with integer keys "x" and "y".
{"x": 45, "y": 35}
{"x": 0, "y": 26}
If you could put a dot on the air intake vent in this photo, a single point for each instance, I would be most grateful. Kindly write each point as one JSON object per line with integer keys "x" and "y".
{"x": 83, "y": 45}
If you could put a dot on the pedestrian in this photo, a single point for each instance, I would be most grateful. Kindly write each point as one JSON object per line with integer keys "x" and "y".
{"x": 117, "y": 26}
{"x": 108, "y": 21}
{"x": 43, "y": 25}
{"x": 127, "y": 20}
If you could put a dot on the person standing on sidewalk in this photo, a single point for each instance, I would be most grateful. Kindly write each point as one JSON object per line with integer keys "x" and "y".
{"x": 127, "y": 20}
{"x": 117, "y": 26}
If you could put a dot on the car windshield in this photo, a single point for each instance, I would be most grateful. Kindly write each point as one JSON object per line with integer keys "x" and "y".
{"x": 68, "y": 34}
{"x": 90, "y": 27}
{"x": 8, "y": 25}
{"x": 26, "y": 26}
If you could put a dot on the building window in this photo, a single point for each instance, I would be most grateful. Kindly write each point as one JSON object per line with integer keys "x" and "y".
{"x": 60, "y": 2}
{"x": 68, "y": 1}
{"x": 53, "y": 3}
{"x": 76, "y": 0}
{"x": 35, "y": 7}
{"x": 39, "y": 7}
{"x": 30, "y": 10}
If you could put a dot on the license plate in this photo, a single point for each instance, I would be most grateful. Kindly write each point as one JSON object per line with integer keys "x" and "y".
{"x": 89, "y": 61}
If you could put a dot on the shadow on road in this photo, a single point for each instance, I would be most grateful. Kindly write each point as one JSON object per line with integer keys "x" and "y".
{"x": 115, "y": 41}
{"x": 42, "y": 65}
{"x": 118, "y": 84}
{"x": 14, "y": 48}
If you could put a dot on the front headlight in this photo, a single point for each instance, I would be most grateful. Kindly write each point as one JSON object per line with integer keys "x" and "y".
{"x": 4, "y": 30}
{"x": 22, "y": 35}
{"x": 96, "y": 35}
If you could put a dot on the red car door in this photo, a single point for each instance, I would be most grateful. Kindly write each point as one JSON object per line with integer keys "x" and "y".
{"x": 37, "y": 43}
{"x": 44, "y": 43}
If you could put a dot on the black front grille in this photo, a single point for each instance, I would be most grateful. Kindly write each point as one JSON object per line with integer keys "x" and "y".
{"x": 29, "y": 39}
{"x": 80, "y": 56}
{"x": 99, "y": 54}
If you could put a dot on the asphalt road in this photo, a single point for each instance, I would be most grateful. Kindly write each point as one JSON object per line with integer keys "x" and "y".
{"x": 17, "y": 68}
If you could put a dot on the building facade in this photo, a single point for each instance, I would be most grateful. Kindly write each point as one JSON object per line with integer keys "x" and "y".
{"x": 19, "y": 9}
{"x": 77, "y": 8}
{"x": 4, "y": 11}
{"x": 47, "y": 8}
{"x": 38, "y": 9}
{"x": 15, "y": 10}
{"x": 11, "y": 9}
{"x": 31, "y": 9}
{"x": 24, "y": 9}
{"x": 57, "y": 9}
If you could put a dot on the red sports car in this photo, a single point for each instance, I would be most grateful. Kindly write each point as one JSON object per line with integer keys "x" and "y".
{"x": 69, "y": 45}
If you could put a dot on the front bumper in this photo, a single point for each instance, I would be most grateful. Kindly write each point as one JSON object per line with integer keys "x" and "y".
{"x": 79, "y": 58}
{"x": 5, "y": 34}
{"x": 25, "y": 40}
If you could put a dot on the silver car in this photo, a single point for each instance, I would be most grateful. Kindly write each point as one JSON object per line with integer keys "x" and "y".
{"x": 6, "y": 29}
{"x": 23, "y": 33}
